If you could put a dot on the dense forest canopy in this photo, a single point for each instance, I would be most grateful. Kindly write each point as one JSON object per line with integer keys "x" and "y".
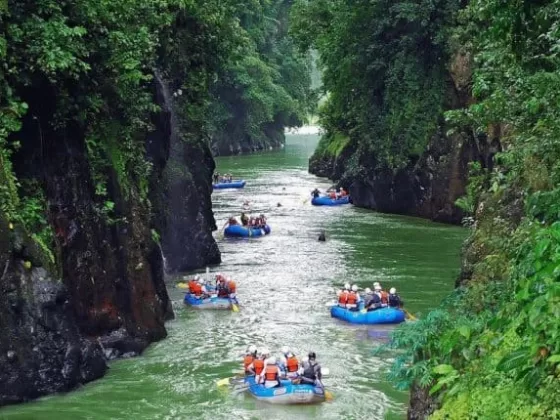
{"x": 493, "y": 349}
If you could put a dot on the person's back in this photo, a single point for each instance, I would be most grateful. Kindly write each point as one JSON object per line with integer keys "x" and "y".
{"x": 395, "y": 300}
{"x": 271, "y": 373}
{"x": 374, "y": 303}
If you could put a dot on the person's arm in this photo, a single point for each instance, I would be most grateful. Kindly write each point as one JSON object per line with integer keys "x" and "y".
{"x": 251, "y": 369}
{"x": 318, "y": 372}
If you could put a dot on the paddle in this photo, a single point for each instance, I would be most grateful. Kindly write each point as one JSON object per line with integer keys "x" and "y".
{"x": 234, "y": 307}
{"x": 328, "y": 395}
{"x": 409, "y": 315}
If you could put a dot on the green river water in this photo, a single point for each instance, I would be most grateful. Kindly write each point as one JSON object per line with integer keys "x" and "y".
{"x": 284, "y": 281}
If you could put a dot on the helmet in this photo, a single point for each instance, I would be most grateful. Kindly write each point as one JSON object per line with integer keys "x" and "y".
{"x": 285, "y": 350}
{"x": 312, "y": 355}
{"x": 368, "y": 290}
{"x": 376, "y": 284}
{"x": 347, "y": 286}
{"x": 377, "y": 288}
{"x": 354, "y": 288}
{"x": 251, "y": 349}
{"x": 197, "y": 277}
{"x": 265, "y": 351}
{"x": 271, "y": 360}
{"x": 393, "y": 291}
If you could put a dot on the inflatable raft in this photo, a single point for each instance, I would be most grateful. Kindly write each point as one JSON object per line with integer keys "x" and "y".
{"x": 327, "y": 201}
{"x": 379, "y": 316}
{"x": 288, "y": 393}
{"x": 213, "y": 302}
{"x": 232, "y": 184}
{"x": 238, "y": 231}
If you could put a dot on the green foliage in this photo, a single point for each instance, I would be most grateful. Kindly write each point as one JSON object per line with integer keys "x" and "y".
{"x": 264, "y": 82}
{"x": 331, "y": 145}
{"x": 232, "y": 62}
{"x": 383, "y": 93}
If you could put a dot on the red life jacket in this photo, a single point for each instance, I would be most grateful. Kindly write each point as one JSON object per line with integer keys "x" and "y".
{"x": 258, "y": 366}
{"x": 352, "y": 298}
{"x": 292, "y": 364}
{"x": 384, "y": 297}
{"x": 196, "y": 289}
{"x": 343, "y": 298}
{"x": 271, "y": 373}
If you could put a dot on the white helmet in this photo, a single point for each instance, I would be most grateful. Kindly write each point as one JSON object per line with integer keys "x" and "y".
{"x": 251, "y": 349}
{"x": 285, "y": 350}
{"x": 347, "y": 286}
{"x": 393, "y": 291}
{"x": 376, "y": 284}
{"x": 271, "y": 360}
{"x": 265, "y": 351}
{"x": 368, "y": 290}
{"x": 354, "y": 288}
{"x": 377, "y": 288}
{"x": 197, "y": 277}
{"x": 200, "y": 280}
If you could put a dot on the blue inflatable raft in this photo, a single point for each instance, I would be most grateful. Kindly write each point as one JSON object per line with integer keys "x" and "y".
{"x": 238, "y": 231}
{"x": 232, "y": 184}
{"x": 326, "y": 201}
{"x": 379, "y": 316}
{"x": 213, "y": 302}
{"x": 288, "y": 393}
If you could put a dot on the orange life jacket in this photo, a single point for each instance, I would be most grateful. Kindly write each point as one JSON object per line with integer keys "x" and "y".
{"x": 231, "y": 286}
{"x": 258, "y": 366}
{"x": 292, "y": 364}
{"x": 343, "y": 298}
{"x": 352, "y": 298}
{"x": 271, "y": 373}
{"x": 247, "y": 361}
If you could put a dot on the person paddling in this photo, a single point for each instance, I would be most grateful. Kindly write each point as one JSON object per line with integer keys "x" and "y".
{"x": 250, "y": 357}
{"x": 310, "y": 372}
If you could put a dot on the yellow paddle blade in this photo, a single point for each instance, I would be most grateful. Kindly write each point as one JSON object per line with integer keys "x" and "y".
{"x": 363, "y": 311}
{"x": 182, "y": 285}
{"x": 234, "y": 307}
{"x": 223, "y": 382}
{"x": 329, "y": 395}
{"x": 409, "y": 315}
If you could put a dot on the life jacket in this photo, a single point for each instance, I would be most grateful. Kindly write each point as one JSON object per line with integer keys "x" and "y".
{"x": 247, "y": 361}
{"x": 384, "y": 297}
{"x": 271, "y": 373}
{"x": 332, "y": 195}
{"x": 343, "y": 298}
{"x": 258, "y": 366}
{"x": 343, "y": 192}
{"x": 309, "y": 371}
{"x": 292, "y": 364}
{"x": 231, "y": 287}
{"x": 196, "y": 289}
{"x": 192, "y": 286}
{"x": 394, "y": 301}
{"x": 352, "y": 298}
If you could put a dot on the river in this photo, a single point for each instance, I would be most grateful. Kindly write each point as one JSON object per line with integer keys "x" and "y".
{"x": 284, "y": 281}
